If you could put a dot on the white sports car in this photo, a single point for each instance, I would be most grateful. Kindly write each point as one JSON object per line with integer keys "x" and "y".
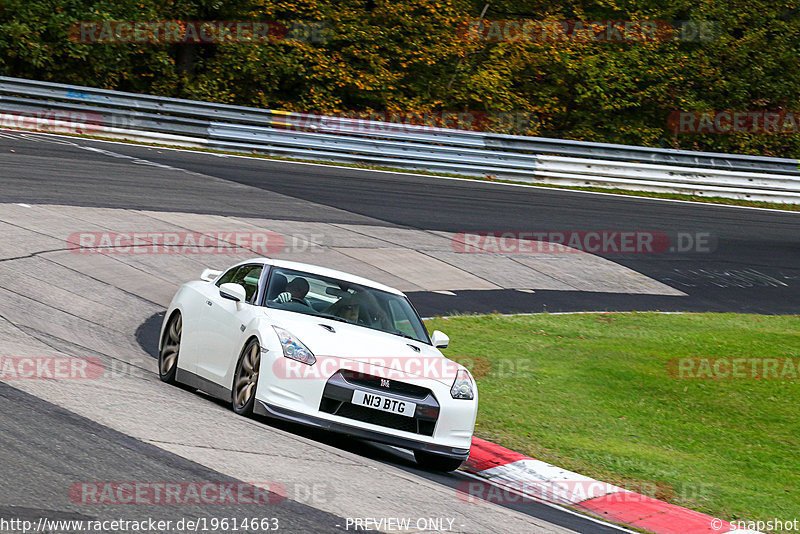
{"x": 322, "y": 348}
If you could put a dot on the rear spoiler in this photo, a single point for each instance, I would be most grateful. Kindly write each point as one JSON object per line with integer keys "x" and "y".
{"x": 209, "y": 275}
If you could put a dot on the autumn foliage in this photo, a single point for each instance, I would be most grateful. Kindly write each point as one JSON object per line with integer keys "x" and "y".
{"x": 429, "y": 56}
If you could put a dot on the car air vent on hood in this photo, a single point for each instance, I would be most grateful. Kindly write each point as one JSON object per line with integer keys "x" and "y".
{"x": 328, "y": 327}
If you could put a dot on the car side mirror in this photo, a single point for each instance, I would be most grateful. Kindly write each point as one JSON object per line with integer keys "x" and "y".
{"x": 233, "y": 292}
{"x": 440, "y": 339}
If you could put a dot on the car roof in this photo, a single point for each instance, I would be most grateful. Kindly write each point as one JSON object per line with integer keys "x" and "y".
{"x": 322, "y": 271}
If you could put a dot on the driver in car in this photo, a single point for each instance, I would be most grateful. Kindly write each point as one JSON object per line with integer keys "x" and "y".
{"x": 360, "y": 308}
{"x": 346, "y": 307}
{"x": 349, "y": 312}
{"x": 296, "y": 291}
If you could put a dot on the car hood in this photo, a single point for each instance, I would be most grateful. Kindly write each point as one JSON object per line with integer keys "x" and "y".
{"x": 401, "y": 357}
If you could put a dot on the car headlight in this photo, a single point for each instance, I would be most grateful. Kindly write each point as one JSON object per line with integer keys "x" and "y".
{"x": 462, "y": 386}
{"x": 293, "y": 348}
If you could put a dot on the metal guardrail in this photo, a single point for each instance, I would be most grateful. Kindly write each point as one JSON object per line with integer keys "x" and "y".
{"x": 522, "y": 158}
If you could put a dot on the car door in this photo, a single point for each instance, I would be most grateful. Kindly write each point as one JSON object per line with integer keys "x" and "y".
{"x": 223, "y": 323}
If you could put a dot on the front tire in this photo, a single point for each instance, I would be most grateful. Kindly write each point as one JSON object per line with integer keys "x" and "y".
{"x": 245, "y": 380}
{"x": 170, "y": 350}
{"x": 436, "y": 462}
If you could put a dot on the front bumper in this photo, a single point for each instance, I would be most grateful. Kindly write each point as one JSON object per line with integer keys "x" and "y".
{"x": 442, "y": 424}
{"x": 269, "y": 410}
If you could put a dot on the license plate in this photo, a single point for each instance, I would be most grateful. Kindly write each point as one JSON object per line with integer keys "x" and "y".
{"x": 385, "y": 404}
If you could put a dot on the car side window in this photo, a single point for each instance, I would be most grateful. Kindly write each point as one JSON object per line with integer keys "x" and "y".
{"x": 247, "y": 276}
{"x": 226, "y": 277}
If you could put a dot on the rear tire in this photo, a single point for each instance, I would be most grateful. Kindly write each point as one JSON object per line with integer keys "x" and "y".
{"x": 245, "y": 379}
{"x": 436, "y": 462}
{"x": 170, "y": 350}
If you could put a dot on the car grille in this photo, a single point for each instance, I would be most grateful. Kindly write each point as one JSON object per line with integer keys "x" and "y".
{"x": 339, "y": 391}
{"x": 374, "y": 382}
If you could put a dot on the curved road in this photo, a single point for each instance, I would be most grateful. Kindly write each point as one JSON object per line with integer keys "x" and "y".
{"x": 752, "y": 262}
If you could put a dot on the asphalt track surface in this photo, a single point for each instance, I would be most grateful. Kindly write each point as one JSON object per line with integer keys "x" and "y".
{"x": 62, "y": 449}
{"x": 752, "y": 266}
{"x": 755, "y": 267}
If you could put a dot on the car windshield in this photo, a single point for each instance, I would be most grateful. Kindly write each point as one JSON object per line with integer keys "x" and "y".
{"x": 344, "y": 301}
